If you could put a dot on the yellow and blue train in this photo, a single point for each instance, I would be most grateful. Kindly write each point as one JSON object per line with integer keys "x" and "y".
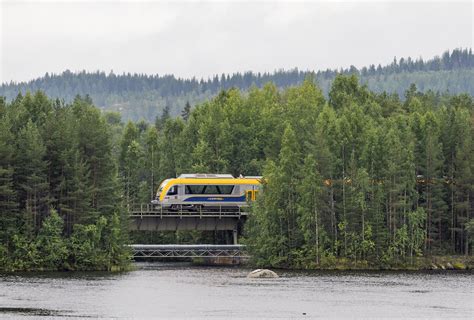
{"x": 194, "y": 191}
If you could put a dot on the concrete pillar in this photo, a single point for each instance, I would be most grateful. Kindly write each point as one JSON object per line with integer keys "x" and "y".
{"x": 234, "y": 234}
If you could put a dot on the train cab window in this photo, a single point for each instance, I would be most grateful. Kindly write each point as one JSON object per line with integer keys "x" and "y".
{"x": 173, "y": 191}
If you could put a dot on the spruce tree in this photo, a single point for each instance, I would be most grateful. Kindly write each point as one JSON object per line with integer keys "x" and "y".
{"x": 186, "y": 111}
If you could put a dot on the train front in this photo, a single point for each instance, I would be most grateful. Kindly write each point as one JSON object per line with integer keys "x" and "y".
{"x": 157, "y": 201}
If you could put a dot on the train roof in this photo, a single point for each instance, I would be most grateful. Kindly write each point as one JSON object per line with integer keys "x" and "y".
{"x": 205, "y": 176}
{"x": 231, "y": 181}
{"x": 214, "y": 176}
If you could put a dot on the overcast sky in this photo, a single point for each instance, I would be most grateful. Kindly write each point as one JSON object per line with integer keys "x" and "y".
{"x": 205, "y": 38}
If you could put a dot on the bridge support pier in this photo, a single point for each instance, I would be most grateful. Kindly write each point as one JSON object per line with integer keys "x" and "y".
{"x": 234, "y": 235}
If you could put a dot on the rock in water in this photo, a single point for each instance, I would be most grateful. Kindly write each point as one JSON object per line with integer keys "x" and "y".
{"x": 459, "y": 266}
{"x": 449, "y": 266}
{"x": 262, "y": 273}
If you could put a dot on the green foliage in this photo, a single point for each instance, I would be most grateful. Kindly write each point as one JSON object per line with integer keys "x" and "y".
{"x": 361, "y": 178}
{"x": 150, "y": 97}
{"x": 469, "y": 226}
{"x": 23, "y": 254}
{"x": 8, "y": 193}
{"x": 50, "y": 244}
{"x": 58, "y": 173}
{"x": 87, "y": 253}
{"x": 376, "y": 186}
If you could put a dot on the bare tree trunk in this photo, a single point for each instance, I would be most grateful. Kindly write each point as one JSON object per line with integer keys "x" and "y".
{"x": 317, "y": 228}
{"x": 466, "y": 244}
{"x": 333, "y": 214}
{"x": 344, "y": 197}
{"x": 152, "y": 173}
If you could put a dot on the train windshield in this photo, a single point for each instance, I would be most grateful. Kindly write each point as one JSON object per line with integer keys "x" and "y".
{"x": 162, "y": 185}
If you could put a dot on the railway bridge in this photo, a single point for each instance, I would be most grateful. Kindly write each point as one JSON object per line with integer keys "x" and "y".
{"x": 148, "y": 217}
{"x": 173, "y": 251}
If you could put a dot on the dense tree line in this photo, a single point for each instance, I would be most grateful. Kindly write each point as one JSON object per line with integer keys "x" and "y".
{"x": 361, "y": 176}
{"x": 140, "y": 96}
{"x": 60, "y": 205}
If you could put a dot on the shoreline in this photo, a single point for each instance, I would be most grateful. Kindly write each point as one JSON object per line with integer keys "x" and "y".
{"x": 433, "y": 263}
{"x": 448, "y": 263}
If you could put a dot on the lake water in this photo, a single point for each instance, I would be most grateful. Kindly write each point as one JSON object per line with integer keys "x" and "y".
{"x": 183, "y": 291}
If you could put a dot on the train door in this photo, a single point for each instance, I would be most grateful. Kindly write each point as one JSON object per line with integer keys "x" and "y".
{"x": 251, "y": 194}
{"x": 255, "y": 192}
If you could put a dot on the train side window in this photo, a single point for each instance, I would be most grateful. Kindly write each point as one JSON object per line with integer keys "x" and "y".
{"x": 225, "y": 189}
{"x": 208, "y": 189}
{"x": 194, "y": 189}
{"x": 211, "y": 190}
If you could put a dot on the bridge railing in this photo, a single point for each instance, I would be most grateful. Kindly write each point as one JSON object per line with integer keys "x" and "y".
{"x": 151, "y": 210}
{"x": 188, "y": 251}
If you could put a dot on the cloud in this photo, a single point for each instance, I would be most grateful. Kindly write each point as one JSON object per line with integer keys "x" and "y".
{"x": 205, "y": 38}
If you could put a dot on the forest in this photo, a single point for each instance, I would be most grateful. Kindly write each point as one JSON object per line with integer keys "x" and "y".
{"x": 60, "y": 193}
{"x": 363, "y": 176}
{"x": 357, "y": 175}
{"x": 140, "y": 96}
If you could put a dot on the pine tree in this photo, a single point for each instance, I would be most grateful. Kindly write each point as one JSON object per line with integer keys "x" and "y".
{"x": 76, "y": 203}
{"x": 213, "y": 150}
{"x": 95, "y": 145}
{"x": 8, "y": 200}
{"x": 31, "y": 178}
{"x": 172, "y": 144}
{"x": 152, "y": 160}
{"x": 129, "y": 135}
{"x": 266, "y": 239}
{"x": 432, "y": 190}
{"x": 310, "y": 209}
{"x": 464, "y": 188}
{"x": 161, "y": 120}
{"x": 289, "y": 166}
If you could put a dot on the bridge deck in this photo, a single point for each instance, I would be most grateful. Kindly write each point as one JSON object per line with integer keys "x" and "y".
{"x": 187, "y": 251}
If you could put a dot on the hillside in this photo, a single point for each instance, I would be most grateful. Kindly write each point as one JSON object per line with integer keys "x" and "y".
{"x": 139, "y": 96}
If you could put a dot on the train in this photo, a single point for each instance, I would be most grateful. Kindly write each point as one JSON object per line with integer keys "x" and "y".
{"x": 197, "y": 191}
